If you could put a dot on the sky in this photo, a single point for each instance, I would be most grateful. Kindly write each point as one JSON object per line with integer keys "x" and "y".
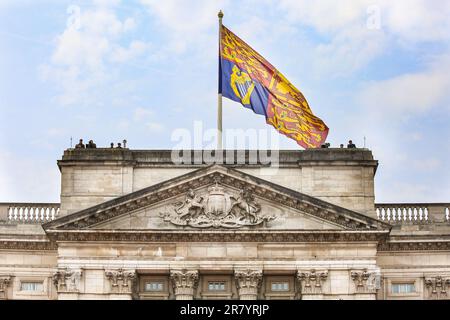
{"x": 376, "y": 72}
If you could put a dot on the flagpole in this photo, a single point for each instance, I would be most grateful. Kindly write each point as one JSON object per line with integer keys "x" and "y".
{"x": 219, "y": 101}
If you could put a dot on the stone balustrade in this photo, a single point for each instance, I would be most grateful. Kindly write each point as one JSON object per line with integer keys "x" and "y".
{"x": 33, "y": 213}
{"x": 394, "y": 213}
{"x": 415, "y": 213}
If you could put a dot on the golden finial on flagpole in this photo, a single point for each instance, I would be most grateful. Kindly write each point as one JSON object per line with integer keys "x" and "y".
{"x": 220, "y": 14}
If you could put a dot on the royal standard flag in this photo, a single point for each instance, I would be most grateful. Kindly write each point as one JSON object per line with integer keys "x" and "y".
{"x": 246, "y": 77}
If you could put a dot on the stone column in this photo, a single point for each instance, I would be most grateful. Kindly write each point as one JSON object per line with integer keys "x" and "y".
{"x": 184, "y": 283}
{"x": 4, "y": 283}
{"x": 248, "y": 282}
{"x": 311, "y": 283}
{"x": 122, "y": 283}
{"x": 67, "y": 282}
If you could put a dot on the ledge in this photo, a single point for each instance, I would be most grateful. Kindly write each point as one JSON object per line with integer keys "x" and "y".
{"x": 144, "y": 158}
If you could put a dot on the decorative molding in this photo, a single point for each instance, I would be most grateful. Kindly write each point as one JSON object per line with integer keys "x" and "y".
{"x": 214, "y": 236}
{"x": 184, "y": 283}
{"x": 412, "y": 245}
{"x": 121, "y": 281}
{"x": 437, "y": 287}
{"x": 4, "y": 284}
{"x": 67, "y": 280}
{"x": 228, "y": 177}
{"x": 311, "y": 281}
{"x": 217, "y": 208}
{"x": 29, "y": 245}
{"x": 364, "y": 281}
{"x": 248, "y": 282}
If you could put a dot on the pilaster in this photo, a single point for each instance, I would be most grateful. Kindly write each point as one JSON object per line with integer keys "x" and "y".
{"x": 4, "y": 283}
{"x": 248, "y": 282}
{"x": 437, "y": 287}
{"x": 67, "y": 283}
{"x": 311, "y": 282}
{"x": 122, "y": 283}
{"x": 184, "y": 282}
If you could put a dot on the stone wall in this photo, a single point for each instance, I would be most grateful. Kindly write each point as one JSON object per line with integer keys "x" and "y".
{"x": 319, "y": 271}
{"x": 342, "y": 176}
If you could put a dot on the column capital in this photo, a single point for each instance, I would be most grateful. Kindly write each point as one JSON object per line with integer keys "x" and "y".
{"x": 364, "y": 280}
{"x": 5, "y": 281}
{"x": 311, "y": 280}
{"x": 67, "y": 279}
{"x": 184, "y": 283}
{"x": 437, "y": 287}
{"x": 248, "y": 282}
{"x": 121, "y": 280}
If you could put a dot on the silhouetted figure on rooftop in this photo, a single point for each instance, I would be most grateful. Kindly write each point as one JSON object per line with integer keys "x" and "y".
{"x": 325, "y": 145}
{"x": 342, "y": 145}
{"x": 119, "y": 145}
{"x": 351, "y": 144}
{"x": 80, "y": 145}
{"x": 91, "y": 144}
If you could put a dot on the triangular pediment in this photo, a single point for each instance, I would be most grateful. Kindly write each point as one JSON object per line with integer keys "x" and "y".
{"x": 216, "y": 198}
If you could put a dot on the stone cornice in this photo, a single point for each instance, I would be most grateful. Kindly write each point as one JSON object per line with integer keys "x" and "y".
{"x": 216, "y": 236}
{"x": 323, "y": 210}
{"x": 50, "y": 243}
{"x": 164, "y": 157}
{"x": 28, "y": 245}
{"x": 412, "y": 245}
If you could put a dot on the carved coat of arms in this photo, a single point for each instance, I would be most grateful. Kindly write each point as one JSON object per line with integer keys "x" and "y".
{"x": 217, "y": 209}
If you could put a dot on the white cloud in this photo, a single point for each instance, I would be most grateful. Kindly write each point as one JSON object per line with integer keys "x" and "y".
{"x": 410, "y": 93}
{"x": 81, "y": 61}
{"x": 417, "y": 20}
{"x": 145, "y": 115}
{"x": 185, "y": 17}
{"x": 135, "y": 49}
{"x": 155, "y": 126}
{"x": 348, "y": 51}
{"x": 427, "y": 164}
{"x": 188, "y": 23}
{"x": 327, "y": 16}
{"x": 348, "y": 44}
{"x": 28, "y": 179}
{"x": 142, "y": 113}
{"x": 412, "y": 20}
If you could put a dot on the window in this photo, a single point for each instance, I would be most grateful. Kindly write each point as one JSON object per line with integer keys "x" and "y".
{"x": 216, "y": 286}
{"x": 154, "y": 286}
{"x": 400, "y": 288}
{"x": 32, "y": 286}
{"x": 279, "y": 286}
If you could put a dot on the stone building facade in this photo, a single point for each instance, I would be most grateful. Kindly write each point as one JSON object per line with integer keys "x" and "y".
{"x": 134, "y": 224}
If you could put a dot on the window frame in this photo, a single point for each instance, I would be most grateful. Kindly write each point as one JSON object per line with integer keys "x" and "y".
{"x": 393, "y": 281}
{"x": 406, "y": 284}
{"x": 163, "y": 294}
{"x": 289, "y": 294}
{"x": 35, "y": 282}
{"x": 225, "y": 294}
{"x": 21, "y": 294}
